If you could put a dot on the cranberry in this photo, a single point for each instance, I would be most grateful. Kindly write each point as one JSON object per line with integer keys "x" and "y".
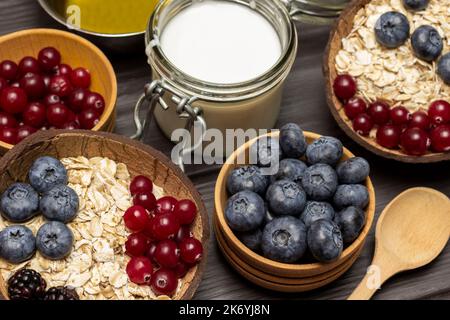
{"x": 165, "y": 226}
{"x": 13, "y": 100}
{"x": 354, "y": 107}
{"x": 49, "y": 58}
{"x": 415, "y": 141}
{"x": 28, "y": 65}
{"x": 388, "y": 136}
{"x": 136, "y": 218}
{"x": 8, "y": 135}
{"x": 184, "y": 232}
{"x": 73, "y": 125}
{"x": 363, "y": 124}
{"x": 95, "y": 102}
{"x": 52, "y": 99}
{"x": 400, "y": 116}
{"x": 181, "y": 269}
{"x": 137, "y": 244}
{"x": 61, "y": 86}
{"x": 47, "y": 79}
{"x": 141, "y": 184}
{"x": 3, "y": 84}
{"x": 62, "y": 70}
{"x": 35, "y": 114}
{"x": 7, "y": 120}
{"x": 191, "y": 250}
{"x": 33, "y": 84}
{"x": 379, "y": 112}
{"x": 81, "y": 78}
{"x": 15, "y": 84}
{"x": 8, "y": 70}
{"x": 146, "y": 200}
{"x": 77, "y": 98}
{"x": 140, "y": 270}
{"x": 166, "y": 205}
{"x": 419, "y": 119}
{"x": 439, "y": 112}
{"x": 57, "y": 115}
{"x": 167, "y": 253}
{"x": 440, "y": 138}
{"x": 88, "y": 119}
{"x": 150, "y": 253}
{"x": 186, "y": 210}
{"x": 344, "y": 87}
{"x": 164, "y": 282}
{"x": 24, "y": 132}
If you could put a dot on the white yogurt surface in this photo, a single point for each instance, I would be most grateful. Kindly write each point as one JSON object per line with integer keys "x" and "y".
{"x": 221, "y": 42}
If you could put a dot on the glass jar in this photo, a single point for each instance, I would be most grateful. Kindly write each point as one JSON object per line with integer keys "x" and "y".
{"x": 316, "y": 11}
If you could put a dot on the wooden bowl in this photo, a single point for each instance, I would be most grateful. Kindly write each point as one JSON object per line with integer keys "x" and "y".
{"x": 341, "y": 29}
{"x": 76, "y": 51}
{"x": 273, "y": 267}
{"x": 139, "y": 158}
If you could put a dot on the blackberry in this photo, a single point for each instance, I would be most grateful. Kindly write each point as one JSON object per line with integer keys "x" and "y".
{"x": 61, "y": 293}
{"x": 26, "y": 284}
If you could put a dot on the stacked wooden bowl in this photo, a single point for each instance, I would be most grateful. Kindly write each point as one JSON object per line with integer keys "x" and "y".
{"x": 274, "y": 275}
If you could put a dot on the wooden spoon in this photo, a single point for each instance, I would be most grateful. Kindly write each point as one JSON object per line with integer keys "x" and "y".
{"x": 411, "y": 232}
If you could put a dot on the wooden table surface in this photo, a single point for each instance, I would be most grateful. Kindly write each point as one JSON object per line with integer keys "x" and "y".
{"x": 304, "y": 103}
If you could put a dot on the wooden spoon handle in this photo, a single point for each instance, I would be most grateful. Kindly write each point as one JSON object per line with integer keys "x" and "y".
{"x": 364, "y": 291}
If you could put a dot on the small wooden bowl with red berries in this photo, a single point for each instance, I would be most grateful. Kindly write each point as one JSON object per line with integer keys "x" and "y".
{"x": 385, "y": 128}
{"x": 53, "y": 79}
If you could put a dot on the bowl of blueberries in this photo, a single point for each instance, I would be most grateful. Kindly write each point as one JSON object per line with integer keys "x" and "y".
{"x": 293, "y": 209}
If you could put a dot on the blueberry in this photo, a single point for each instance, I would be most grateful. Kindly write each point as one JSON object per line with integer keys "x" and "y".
{"x": 17, "y": 244}
{"x": 284, "y": 240}
{"x": 251, "y": 239}
{"x": 46, "y": 173}
{"x": 392, "y": 29}
{"x": 443, "y": 68}
{"x": 325, "y": 241}
{"x": 266, "y": 152}
{"x": 269, "y": 217}
{"x": 60, "y": 204}
{"x": 326, "y": 150}
{"x": 292, "y": 141}
{"x": 291, "y": 169}
{"x": 315, "y": 210}
{"x": 247, "y": 178}
{"x": 416, "y": 5}
{"x": 427, "y": 43}
{"x": 245, "y": 211}
{"x": 351, "y": 221}
{"x": 286, "y": 197}
{"x": 351, "y": 195}
{"x": 19, "y": 203}
{"x": 353, "y": 170}
{"x": 320, "y": 182}
{"x": 54, "y": 240}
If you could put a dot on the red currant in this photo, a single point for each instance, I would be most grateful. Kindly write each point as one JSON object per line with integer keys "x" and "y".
{"x": 52, "y": 99}
{"x": 439, "y": 112}
{"x": 8, "y": 135}
{"x": 344, "y": 87}
{"x": 167, "y": 254}
{"x": 388, "y": 136}
{"x": 136, "y": 218}
{"x": 141, "y": 184}
{"x": 24, "y": 132}
{"x": 191, "y": 250}
{"x": 88, "y": 119}
{"x": 57, "y": 115}
{"x": 363, "y": 124}
{"x": 61, "y": 86}
{"x": 76, "y": 99}
{"x": 440, "y": 138}
{"x": 400, "y": 116}
{"x": 35, "y": 114}
{"x": 419, "y": 119}
{"x": 8, "y": 70}
{"x": 34, "y": 85}
{"x": 181, "y": 269}
{"x": 379, "y": 112}
{"x": 81, "y": 78}
{"x": 184, "y": 232}
{"x": 3, "y": 84}
{"x": 13, "y": 100}
{"x": 146, "y": 200}
{"x": 140, "y": 270}
{"x": 15, "y": 84}
{"x": 94, "y": 101}
{"x": 186, "y": 210}
{"x": 415, "y": 141}
{"x": 47, "y": 79}
{"x": 165, "y": 226}
{"x": 49, "y": 58}
{"x": 164, "y": 282}
{"x": 73, "y": 125}
{"x": 137, "y": 244}
{"x": 7, "y": 120}
{"x": 62, "y": 70}
{"x": 28, "y": 65}
{"x": 166, "y": 205}
{"x": 354, "y": 107}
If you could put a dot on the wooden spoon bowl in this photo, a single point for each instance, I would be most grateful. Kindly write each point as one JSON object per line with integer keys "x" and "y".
{"x": 139, "y": 158}
{"x": 341, "y": 29}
